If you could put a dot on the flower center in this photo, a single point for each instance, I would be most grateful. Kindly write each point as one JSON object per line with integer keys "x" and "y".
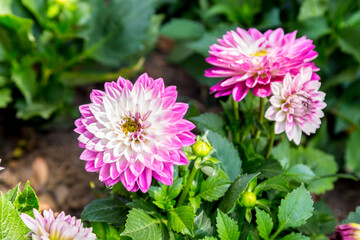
{"x": 260, "y": 53}
{"x": 130, "y": 125}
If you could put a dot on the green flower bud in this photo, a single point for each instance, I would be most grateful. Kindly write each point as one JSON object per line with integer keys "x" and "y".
{"x": 248, "y": 199}
{"x": 201, "y": 149}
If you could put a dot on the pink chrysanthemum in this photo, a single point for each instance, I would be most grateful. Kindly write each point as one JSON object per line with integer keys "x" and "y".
{"x": 133, "y": 132}
{"x": 251, "y": 59}
{"x": 296, "y": 105}
{"x": 47, "y": 227}
{"x": 350, "y": 231}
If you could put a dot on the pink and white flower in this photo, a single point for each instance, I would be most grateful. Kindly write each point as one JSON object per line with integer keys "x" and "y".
{"x": 253, "y": 60}
{"x": 132, "y": 133}
{"x": 350, "y": 231}
{"x": 296, "y": 105}
{"x": 47, "y": 227}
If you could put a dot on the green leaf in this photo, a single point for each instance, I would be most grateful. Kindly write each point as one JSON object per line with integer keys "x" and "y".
{"x": 279, "y": 183}
{"x": 312, "y": 28}
{"x": 312, "y": 8}
{"x": 104, "y": 210}
{"x": 164, "y": 194}
{"x": 295, "y": 236}
{"x": 174, "y": 189}
{"x": 300, "y": 173}
{"x": 209, "y": 238}
{"x": 227, "y": 154}
{"x": 202, "y": 225}
{"x": 226, "y": 227}
{"x": 11, "y": 225}
{"x": 181, "y": 220}
{"x": 214, "y": 188}
{"x": 282, "y": 153}
{"x": 269, "y": 168}
{"x": 5, "y": 97}
{"x": 352, "y": 152}
{"x": 105, "y": 231}
{"x": 349, "y": 38}
{"x": 264, "y": 223}
{"x": 12, "y": 194}
{"x": 27, "y": 200}
{"x": 209, "y": 121}
{"x": 353, "y": 217}
{"x": 182, "y": 29}
{"x": 295, "y": 208}
{"x": 140, "y": 226}
{"x": 236, "y": 188}
{"x": 147, "y": 206}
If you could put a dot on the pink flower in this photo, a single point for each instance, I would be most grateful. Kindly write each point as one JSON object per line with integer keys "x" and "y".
{"x": 250, "y": 59}
{"x": 350, "y": 231}
{"x": 132, "y": 133}
{"x": 47, "y": 227}
{"x": 296, "y": 105}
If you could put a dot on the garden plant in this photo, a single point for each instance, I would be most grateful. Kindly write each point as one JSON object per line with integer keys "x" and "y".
{"x": 254, "y": 170}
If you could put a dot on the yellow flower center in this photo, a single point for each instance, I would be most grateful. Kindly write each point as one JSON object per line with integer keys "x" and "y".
{"x": 131, "y": 125}
{"x": 260, "y": 53}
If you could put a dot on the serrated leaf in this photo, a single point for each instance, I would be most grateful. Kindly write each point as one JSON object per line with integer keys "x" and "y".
{"x": 140, "y": 226}
{"x": 143, "y": 205}
{"x": 174, "y": 189}
{"x": 181, "y": 220}
{"x": 214, "y": 188}
{"x": 226, "y": 227}
{"x": 104, "y": 210}
{"x": 181, "y": 29}
{"x": 279, "y": 183}
{"x": 209, "y": 121}
{"x": 227, "y": 154}
{"x": 353, "y": 217}
{"x": 12, "y": 194}
{"x": 295, "y": 208}
{"x": 5, "y": 97}
{"x": 209, "y": 238}
{"x": 233, "y": 193}
{"x": 27, "y": 200}
{"x": 300, "y": 173}
{"x": 295, "y": 236}
{"x": 352, "y": 152}
{"x": 264, "y": 223}
{"x": 11, "y": 225}
{"x": 202, "y": 225}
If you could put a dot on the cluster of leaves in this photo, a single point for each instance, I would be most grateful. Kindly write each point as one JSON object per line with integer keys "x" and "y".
{"x": 12, "y": 204}
{"x": 333, "y": 25}
{"x": 49, "y": 46}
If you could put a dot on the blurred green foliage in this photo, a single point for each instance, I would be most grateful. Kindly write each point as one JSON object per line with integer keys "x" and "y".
{"x": 334, "y": 25}
{"x": 49, "y": 46}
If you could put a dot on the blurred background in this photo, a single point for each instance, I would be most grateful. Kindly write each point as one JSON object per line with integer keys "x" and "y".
{"x": 53, "y": 52}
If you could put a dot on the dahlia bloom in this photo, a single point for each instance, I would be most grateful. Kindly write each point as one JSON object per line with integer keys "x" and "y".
{"x": 47, "y": 227}
{"x": 350, "y": 231}
{"x": 132, "y": 133}
{"x": 296, "y": 105}
{"x": 251, "y": 59}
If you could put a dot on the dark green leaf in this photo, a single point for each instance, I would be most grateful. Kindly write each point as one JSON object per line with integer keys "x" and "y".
{"x": 214, "y": 188}
{"x": 236, "y": 188}
{"x": 300, "y": 173}
{"x": 295, "y": 208}
{"x": 147, "y": 206}
{"x": 227, "y": 154}
{"x": 279, "y": 183}
{"x": 295, "y": 236}
{"x": 27, "y": 201}
{"x": 352, "y": 152}
{"x": 202, "y": 225}
{"x": 181, "y": 29}
{"x": 348, "y": 40}
{"x": 209, "y": 121}
{"x": 5, "y": 97}
{"x": 140, "y": 226}
{"x": 104, "y": 210}
{"x": 24, "y": 77}
{"x": 181, "y": 220}
{"x": 226, "y": 227}
{"x": 264, "y": 223}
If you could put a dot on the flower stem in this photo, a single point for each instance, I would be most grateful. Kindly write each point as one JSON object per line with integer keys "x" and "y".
{"x": 187, "y": 187}
{"x": 276, "y": 233}
{"x": 270, "y": 143}
{"x": 260, "y": 116}
{"x": 236, "y": 134}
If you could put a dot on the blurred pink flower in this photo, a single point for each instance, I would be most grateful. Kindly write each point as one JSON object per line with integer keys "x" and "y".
{"x": 251, "y": 59}
{"x": 132, "y": 133}
{"x": 350, "y": 231}
{"x": 47, "y": 227}
{"x": 296, "y": 105}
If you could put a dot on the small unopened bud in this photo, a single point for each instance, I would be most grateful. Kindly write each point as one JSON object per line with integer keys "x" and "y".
{"x": 201, "y": 149}
{"x": 248, "y": 199}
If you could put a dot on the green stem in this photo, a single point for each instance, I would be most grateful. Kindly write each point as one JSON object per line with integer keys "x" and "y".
{"x": 276, "y": 233}
{"x": 260, "y": 116}
{"x": 236, "y": 134}
{"x": 270, "y": 143}
{"x": 187, "y": 187}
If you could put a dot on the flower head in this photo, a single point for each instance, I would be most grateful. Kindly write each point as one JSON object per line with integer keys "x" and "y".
{"x": 253, "y": 60}
{"x": 47, "y": 227}
{"x": 350, "y": 231}
{"x": 132, "y": 133}
{"x": 296, "y": 105}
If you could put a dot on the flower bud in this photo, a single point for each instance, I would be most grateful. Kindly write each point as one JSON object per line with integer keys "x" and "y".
{"x": 201, "y": 149}
{"x": 248, "y": 199}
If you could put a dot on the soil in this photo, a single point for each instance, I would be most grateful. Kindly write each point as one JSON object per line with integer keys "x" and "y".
{"x": 50, "y": 159}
